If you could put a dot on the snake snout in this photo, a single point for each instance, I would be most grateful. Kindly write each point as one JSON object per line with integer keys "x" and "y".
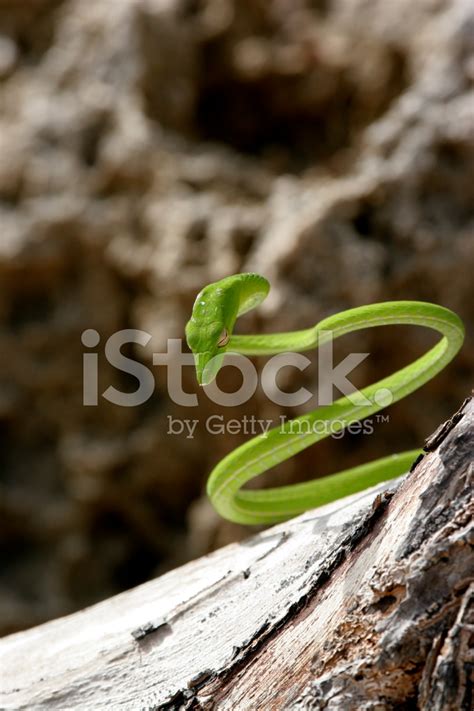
{"x": 207, "y": 366}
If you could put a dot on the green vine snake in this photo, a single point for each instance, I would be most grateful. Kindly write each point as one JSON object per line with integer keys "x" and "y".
{"x": 209, "y": 334}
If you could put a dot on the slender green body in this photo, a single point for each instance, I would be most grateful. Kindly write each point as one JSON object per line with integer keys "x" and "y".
{"x": 209, "y": 335}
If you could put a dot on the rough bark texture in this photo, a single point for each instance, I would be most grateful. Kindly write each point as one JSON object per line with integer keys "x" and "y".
{"x": 365, "y": 604}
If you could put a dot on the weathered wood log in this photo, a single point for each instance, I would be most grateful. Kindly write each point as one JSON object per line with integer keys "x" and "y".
{"x": 367, "y": 603}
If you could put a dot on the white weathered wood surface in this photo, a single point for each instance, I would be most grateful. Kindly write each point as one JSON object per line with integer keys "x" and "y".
{"x": 335, "y": 609}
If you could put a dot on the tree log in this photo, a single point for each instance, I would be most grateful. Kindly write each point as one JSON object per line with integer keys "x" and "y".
{"x": 367, "y": 603}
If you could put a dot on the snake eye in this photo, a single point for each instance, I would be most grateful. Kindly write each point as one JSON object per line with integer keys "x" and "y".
{"x": 224, "y": 339}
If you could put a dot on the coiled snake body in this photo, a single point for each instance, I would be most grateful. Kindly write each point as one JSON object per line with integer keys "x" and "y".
{"x": 209, "y": 335}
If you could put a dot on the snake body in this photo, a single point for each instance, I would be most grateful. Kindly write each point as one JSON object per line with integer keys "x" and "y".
{"x": 209, "y": 334}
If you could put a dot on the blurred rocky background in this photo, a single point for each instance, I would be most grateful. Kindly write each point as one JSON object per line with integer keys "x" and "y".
{"x": 148, "y": 147}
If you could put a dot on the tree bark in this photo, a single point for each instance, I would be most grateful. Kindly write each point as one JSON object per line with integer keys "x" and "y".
{"x": 367, "y": 603}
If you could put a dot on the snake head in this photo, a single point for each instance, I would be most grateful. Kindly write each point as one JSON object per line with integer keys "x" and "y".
{"x": 208, "y": 347}
{"x": 208, "y": 332}
{"x": 215, "y": 310}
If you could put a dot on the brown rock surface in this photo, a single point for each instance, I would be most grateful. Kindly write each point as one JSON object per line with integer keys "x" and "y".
{"x": 147, "y": 148}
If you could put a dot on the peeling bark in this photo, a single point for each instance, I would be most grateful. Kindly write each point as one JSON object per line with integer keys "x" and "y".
{"x": 367, "y": 603}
